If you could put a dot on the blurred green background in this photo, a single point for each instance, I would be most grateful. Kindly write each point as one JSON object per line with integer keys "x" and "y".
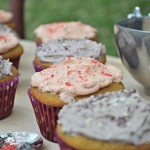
{"x": 101, "y": 14}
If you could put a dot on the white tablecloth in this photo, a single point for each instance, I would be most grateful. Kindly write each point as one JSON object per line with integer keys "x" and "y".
{"x": 22, "y": 118}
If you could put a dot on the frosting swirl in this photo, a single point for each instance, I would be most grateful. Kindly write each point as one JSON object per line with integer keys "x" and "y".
{"x": 5, "y": 16}
{"x": 5, "y": 67}
{"x": 121, "y": 116}
{"x": 76, "y": 76}
{"x": 66, "y": 30}
{"x": 7, "y": 42}
{"x": 56, "y": 51}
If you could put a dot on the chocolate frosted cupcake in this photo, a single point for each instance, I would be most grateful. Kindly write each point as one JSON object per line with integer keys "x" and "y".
{"x": 7, "y": 29}
{"x": 8, "y": 84}
{"x": 6, "y": 18}
{"x": 56, "y": 51}
{"x": 10, "y": 47}
{"x": 64, "y": 30}
{"x": 71, "y": 80}
{"x": 113, "y": 121}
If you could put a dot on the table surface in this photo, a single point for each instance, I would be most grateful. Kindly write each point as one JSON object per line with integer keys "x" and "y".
{"x": 22, "y": 117}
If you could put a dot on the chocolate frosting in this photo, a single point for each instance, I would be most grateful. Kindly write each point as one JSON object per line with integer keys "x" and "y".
{"x": 5, "y": 67}
{"x": 121, "y": 116}
{"x": 57, "y": 50}
{"x": 6, "y": 29}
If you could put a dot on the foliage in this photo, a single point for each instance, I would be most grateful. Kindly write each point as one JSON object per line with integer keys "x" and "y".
{"x": 101, "y": 14}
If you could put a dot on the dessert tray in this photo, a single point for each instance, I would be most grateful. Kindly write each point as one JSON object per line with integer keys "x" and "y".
{"x": 22, "y": 117}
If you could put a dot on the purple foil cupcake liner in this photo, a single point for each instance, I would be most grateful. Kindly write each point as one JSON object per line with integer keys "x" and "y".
{"x": 46, "y": 117}
{"x": 7, "y": 96}
{"x": 37, "y": 68}
{"x": 38, "y": 43}
{"x": 15, "y": 62}
{"x": 62, "y": 145}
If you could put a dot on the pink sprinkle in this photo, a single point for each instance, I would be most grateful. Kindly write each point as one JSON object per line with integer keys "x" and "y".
{"x": 52, "y": 75}
{"x": 94, "y": 61}
{"x": 106, "y": 74}
{"x": 68, "y": 83}
{"x": 83, "y": 78}
{"x": 3, "y": 38}
{"x": 68, "y": 58}
{"x": 79, "y": 72}
{"x": 47, "y": 78}
{"x": 51, "y": 30}
{"x": 88, "y": 69}
{"x": 70, "y": 71}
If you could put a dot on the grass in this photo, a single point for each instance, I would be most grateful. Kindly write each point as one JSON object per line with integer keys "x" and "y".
{"x": 101, "y": 14}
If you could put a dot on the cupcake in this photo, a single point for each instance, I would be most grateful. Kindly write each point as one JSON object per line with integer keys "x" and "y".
{"x": 8, "y": 85}
{"x": 6, "y": 18}
{"x": 111, "y": 121}
{"x": 73, "y": 79}
{"x": 56, "y": 51}
{"x": 65, "y": 30}
{"x": 10, "y": 48}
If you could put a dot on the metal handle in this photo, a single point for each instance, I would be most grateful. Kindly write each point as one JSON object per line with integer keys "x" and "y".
{"x": 136, "y": 13}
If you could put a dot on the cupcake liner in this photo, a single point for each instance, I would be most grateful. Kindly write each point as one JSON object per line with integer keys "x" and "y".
{"x": 15, "y": 62}
{"x": 38, "y": 43}
{"x": 7, "y": 96}
{"x": 62, "y": 145}
{"x": 37, "y": 68}
{"x": 46, "y": 117}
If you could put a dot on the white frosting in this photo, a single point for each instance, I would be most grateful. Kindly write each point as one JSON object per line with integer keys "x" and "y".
{"x": 66, "y": 30}
{"x": 76, "y": 76}
{"x": 122, "y": 116}
{"x": 7, "y": 42}
{"x": 5, "y": 16}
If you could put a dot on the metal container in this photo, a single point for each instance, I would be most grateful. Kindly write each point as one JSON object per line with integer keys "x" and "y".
{"x": 132, "y": 37}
